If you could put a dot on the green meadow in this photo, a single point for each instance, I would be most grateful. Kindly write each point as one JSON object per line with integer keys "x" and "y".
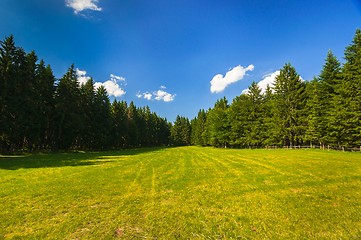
{"x": 182, "y": 193}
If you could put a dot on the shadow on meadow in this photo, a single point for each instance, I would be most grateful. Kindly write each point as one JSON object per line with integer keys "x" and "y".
{"x": 14, "y": 162}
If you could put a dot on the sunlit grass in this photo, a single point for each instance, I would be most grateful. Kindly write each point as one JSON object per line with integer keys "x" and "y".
{"x": 184, "y": 193}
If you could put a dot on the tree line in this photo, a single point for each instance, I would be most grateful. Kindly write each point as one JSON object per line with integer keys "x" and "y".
{"x": 325, "y": 111}
{"x": 40, "y": 112}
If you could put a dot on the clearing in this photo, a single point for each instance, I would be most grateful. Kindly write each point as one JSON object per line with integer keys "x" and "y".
{"x": 182, "y": 193}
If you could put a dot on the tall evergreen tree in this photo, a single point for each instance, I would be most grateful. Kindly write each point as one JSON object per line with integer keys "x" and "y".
{"x": 181, "y": 131}
{"x": 290, "y": 106}
{"x": 198, "y": 127}
{"x": 119, "y": 124}
{"x": 7, "y": 92}
{"x": 327, "y": 87}
{"x": 270, "y": 134}
{"x": 218, "y": 124}
{"x": 315, "y": 115}
{"x": 87, "y": 128}
{"x": 132, "y": 125}
{"x": 349, "y": 95}
{"x": 256, "y": 128}
{"x": 44, "y": 102}
{"x": 102, "y": 119}
{"x": 238, "y": 116}
{"x": 67, "y": 106}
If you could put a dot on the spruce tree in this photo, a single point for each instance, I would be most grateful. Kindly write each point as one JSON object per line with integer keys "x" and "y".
{"x": 238, "y": 119}
{"x": 45, "y": 90}
{"x": 7, "y": 91}
{"x": 270, "y": 134}
{"x": 132, "y": 126}
{"x": 119, "y": 124}
{"x": 218, "y": 124}
{"x": 102, "y": 119}
{"x": 67, "y": 106}
{"x": 290, "y": 106}
{"x": 350, "y": 94}
{"x": 328, "y": 85}
{"x": 256, "y": 128}
{"x": 315, "y": 114}
{"x": 198, "y": 125}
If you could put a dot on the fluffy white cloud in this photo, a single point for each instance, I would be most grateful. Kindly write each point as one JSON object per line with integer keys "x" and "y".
{"x": 81, "y": 5}
{"x": 268, "y": 80}
{"x": 159, "y": 95}
{"x": 81, "y": 76}
{"x": 220, "y": 82}
{"x": 163, "y": 95}
{"x": 145, "y": 95}
{"x": 112, "y": 86}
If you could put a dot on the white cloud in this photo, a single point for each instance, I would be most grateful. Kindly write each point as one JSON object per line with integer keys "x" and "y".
{"x": 81, "y": 5}
{"x": 81, "y": 76}
{"x": 159, "y": 95}
{"x": 163, "y": 95}
{"x": 116, "y": 78}
{"x": 220, "y": 82}
{"x": 268, "y": 80}
{"x": 112, "y": 86}
{"x": 145, "y": 95}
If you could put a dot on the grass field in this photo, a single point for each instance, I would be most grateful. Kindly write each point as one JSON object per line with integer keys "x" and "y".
{"x": 182, "y": 193}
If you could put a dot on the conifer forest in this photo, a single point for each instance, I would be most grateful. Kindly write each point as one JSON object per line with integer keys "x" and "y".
{"x": 40, "y": 112}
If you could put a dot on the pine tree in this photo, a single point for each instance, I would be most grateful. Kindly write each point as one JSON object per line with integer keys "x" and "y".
{"x": 218, "y": 124}
{"x": 132, "y": 126}
{"x": 198, "y": 125}
{"x": 67, "y": 106}
{"x": 238, "y": 116}
{"x": 290, "y": 106}
{"x": 119, "y": 124}
{"x": 7, "y": 91}
{"x": 181, "y": 131}
{"x": 270, "y": 134}
{"x": 29, "y": 109}
{"x": 102, "y": 119}
{"x": 315, "y": 116}
{"x": 327, "y": 87}
{"x": 88, "y": 129}
{"x": 44, "y": 102}
{"x": 256, "y": 128}
{"x": 349, "y": 95}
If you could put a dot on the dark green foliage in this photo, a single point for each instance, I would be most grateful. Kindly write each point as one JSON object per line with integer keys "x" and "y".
{"x": 256, "y": 127}
{"x": 289, "y": 106}
{"x": 350, "y": 91}
{"x": 325, "y": 111}
{"x": 315, "y": 118}
{"x": 218, "y": 124}
{"x": 181, "y": 131}
{"x": 37, "y": 114}
{"x": 238, "y": 113}
{"x": 198, "y": 126}
{"x": 328, "y": 86}
{"x": 68, "y": 110}
{"x": 26, "y": 98}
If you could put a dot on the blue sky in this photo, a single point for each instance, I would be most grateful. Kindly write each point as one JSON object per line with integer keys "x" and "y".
{"x": 179, "y": 56}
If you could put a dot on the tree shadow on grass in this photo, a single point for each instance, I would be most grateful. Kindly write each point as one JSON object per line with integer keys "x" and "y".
{"x": 75, "y": 159}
